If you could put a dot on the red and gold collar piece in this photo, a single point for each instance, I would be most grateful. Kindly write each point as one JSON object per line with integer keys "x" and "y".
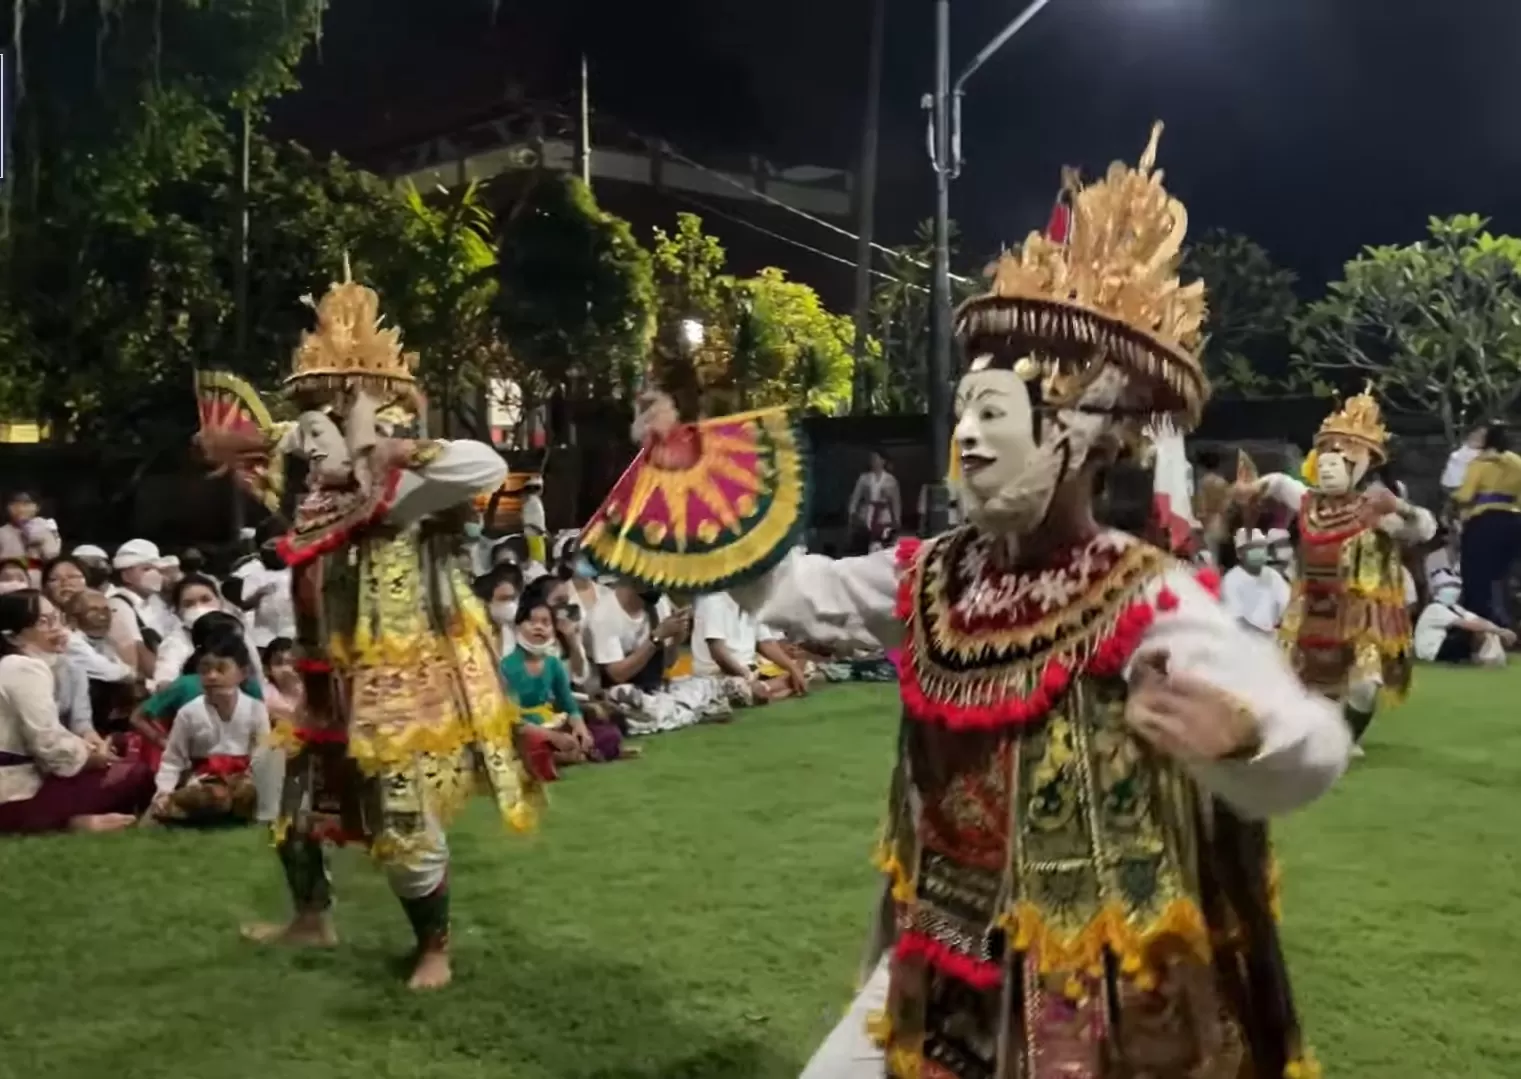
{"x": 988, "y": 647}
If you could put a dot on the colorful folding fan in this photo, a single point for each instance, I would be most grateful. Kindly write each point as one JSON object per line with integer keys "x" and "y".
{"x": 238, "y": 435}
{"x": 712, "y": 505}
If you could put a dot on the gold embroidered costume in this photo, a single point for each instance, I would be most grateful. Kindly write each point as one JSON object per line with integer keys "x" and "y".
{"x": 403, "y": 714}
{"x": 1061, "y": 901}
{"x": 1348, "y": 622}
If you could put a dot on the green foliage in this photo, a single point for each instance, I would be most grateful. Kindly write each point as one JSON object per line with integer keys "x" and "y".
{"x": 1251, "y": 303}
{"x": 1436, "y": 325}
{"x": 900, "y": 307}
{"x": 691, "y": 285}
{"x": 766, "y": 340}
{"x": 788, "y": 348}
{"x": 577, "y": 303}
{"x": 117, "y": 242}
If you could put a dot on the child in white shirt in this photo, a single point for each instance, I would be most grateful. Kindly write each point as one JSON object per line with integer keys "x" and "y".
{"x": 205, "y": 772}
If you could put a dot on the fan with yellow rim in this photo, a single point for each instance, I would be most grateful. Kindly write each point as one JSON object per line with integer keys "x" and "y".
{"x": 239, "y": 435}
{"x": 711, "y": 505}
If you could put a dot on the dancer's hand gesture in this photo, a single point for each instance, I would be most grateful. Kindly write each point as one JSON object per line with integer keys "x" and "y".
{"x": 1186, "y": 717}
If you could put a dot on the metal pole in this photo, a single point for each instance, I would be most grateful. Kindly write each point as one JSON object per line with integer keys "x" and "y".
{"x": 583, "y": 141}
{"x": 240, "y": 287}
{"x": 866, "y": 201}
{"x": 997, "y": 43}
{"x": 937, "y": 392}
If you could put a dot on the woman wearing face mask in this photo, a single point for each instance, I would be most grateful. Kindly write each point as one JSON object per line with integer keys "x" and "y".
{"x": 1253, "y": 592}
{"x": 139, "y": 616}
{"x": 193, "y": 597}
{"x": 1447, "y": 633}
{"x": 500, "y": 589}
{"x": 52, "y": 779}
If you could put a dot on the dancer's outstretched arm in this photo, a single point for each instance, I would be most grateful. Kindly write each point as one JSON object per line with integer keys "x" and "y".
{"x": 836, "y": 602}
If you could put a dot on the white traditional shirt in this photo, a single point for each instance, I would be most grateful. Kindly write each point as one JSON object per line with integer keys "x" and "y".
{"x": 615, "y": 634}
{"x": 31, "y": 731}
{"x": 875, "y": 493}
{"x": 717, "y": 617}
{"x": 1259, "y": 599}
{"x": 1305, "y": 745}
{"x": 275, "y": 613}
{"x": 200, "y": 732}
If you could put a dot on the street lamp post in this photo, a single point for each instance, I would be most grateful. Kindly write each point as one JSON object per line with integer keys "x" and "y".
{"x": 944, "y": 105}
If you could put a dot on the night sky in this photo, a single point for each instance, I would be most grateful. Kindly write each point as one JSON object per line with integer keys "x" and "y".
{"x": 1314, "y": 126}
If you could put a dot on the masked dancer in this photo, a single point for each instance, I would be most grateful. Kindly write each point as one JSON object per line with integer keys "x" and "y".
{"x": 401, "y": 707}
{"x": 1348, "y": 625}
{"x": 1074, "y": 887}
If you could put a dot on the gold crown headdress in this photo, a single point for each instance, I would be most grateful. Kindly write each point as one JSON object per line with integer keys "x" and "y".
{"x": 1104, "y": 290}
{"x": 1358, "y": 424}
{"x": 349, "y": 349}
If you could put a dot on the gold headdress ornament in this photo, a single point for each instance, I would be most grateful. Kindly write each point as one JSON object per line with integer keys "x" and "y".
{"x": 1358, "y": 424}
{"x": 349, "y": 349}
{"x": 1102, "y": 289}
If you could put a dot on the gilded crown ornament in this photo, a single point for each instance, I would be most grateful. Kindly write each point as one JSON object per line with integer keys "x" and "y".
{"x": 1101, "y": 289}
{"x": 349, "y": 349}
{"x": 1358, "y": 424}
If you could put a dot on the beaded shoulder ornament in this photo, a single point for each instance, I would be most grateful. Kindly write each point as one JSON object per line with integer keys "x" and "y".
{"x": 987, "y": 647}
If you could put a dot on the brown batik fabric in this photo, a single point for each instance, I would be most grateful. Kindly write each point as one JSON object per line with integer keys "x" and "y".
{"x": 206, "y": 799}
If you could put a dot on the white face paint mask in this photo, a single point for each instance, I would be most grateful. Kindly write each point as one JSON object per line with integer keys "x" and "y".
{"x": 191, "y": 615}
{"x": 1007, "y": 478}
{"x": 1336, "y": 473}
{"x": 504, "y": 612}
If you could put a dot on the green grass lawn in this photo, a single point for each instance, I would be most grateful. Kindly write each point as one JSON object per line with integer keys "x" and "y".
{"x": 700, "y": 913}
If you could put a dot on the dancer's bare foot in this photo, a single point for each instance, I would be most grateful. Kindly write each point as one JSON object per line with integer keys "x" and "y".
{"x": 303, "y": 931}
{"x": 432, "y": 970}
{"x": 102, "y": 822}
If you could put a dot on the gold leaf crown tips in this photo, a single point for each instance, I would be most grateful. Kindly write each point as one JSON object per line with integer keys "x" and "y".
{"x": 1119, "y": 258}
{"x": 349, "y": 341}
{"x": 1359, "y": 420}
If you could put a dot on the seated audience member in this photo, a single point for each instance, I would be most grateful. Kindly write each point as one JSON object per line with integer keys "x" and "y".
{"x": 283, "y": 692}
{"x": 51, "y": 778}
{"x": 110, "y": 683}
{"x": 1253, "y": 592}
{"x": 728, "y": 643}
{"x": 95, "y": 562}
{"x": 26, "y": 537}
{"x": 63, "y": 578}
{"x": 540, "y": 682}
{"x": 205, "y": 774}
{"x": 190, "y": 599}
{"x": 634, "y": 636}
{"x": 1446, "y": 633}
{"x": 14, "y": 575}
{"x": 499, "y": 590}
{"x": 265, "y": 592}
{"x": 150, "y": 721}
{"x": 140, "y": 617}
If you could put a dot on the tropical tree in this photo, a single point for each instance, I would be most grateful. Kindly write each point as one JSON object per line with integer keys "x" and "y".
{"x": 118, "y": 210}
{"x": 900, "y": 311}
{"x": 788, "y": 349}
{"x": 576, "y": 308}
{"x": 694, "y": 328}
{"x": 1251, "y": 303}
{"x": 1436, "y": 324}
